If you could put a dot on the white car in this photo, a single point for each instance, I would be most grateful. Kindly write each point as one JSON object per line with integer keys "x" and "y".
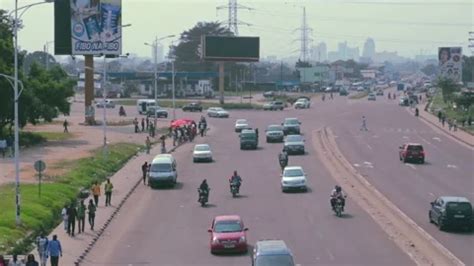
{"x": 108, "y": 104}
{"x": 301, "y": 104}
{"x": 293, "y": 178}
{"x": 241, "y": 124}
{"x": 202, "y": 152}
{"x": 217, "y": 112}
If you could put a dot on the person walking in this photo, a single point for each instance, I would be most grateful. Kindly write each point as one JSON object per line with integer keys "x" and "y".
{"x": 450, "y": 124}
{"x": 108, "y": 192}
{"x": 135, "y": 123}
{"x": 81, "y": 216}
{"x": 469, "y": 121}
{"x": 15, "y": 261}
{"x": 152, "y": 130}
{"x": 55, "y": 250}
{"x": 455, "y": 125}
{"x": 65, "y": 124}
{"x": 364, "y": 124}
{"x": 30, "y": 260}
{"x": 71, "y": 218}
{"x": 64, "y": 215}
{"x": 144, "y": 172}
{"x": 3, "y": 147}
{"x": 91, "y": 209}
{"x": 175, "y": 136}
{"x": 96, "y": 192}
{"x": 2, "y": 261}
{"x": 443, "y": 120}
{"x": 143, "y": 124}
{"x": 147, "y": 123}
{"x": 42, "y": 245}
{"x": 148, "y": 145}
{"x": 440, "y": 115}
{"x": 163, "y": 144}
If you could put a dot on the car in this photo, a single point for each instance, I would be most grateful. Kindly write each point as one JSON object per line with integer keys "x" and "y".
{"x": 268, "y": 94}
{"x": 294, "y": 144}
{"x": 360, "y": 88}
{"x": 217, "y": 112}
{"x": 371, "y": 97}
{"x": 272, "y": 252}
{"x": 274, "y": 105}
{"x": 301, "y": 103}
{"x": 241, "y": 124}
{"x": 159, "y": 112}
{"x": 411, "y": 152}
{"x": 108, "y": 104}
{"x": 163, "y": 170}
{"x": 202, "y": 152}
{"x": 192, "y": 107}
{"x": 404, "y": 101}
{"x": 274, "y": 133}
{"x": 379, "y": 93}
{"x": 293, "y": 178}
{"x": 451, "y": 211}
{"x": 228, "y": 234}
{"x": 248, "y": 139}
{"x": 343, "y": 92}
{"x": 291, "y": 126}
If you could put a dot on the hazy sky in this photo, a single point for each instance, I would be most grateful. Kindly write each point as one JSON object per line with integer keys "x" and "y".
{"x": 409, "y": 27}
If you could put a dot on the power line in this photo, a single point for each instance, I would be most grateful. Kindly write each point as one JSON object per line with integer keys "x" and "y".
{"x": 232, "y": 20}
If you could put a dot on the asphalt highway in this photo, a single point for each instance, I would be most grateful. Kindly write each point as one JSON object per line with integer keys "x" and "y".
{"x": 168, "y": 226}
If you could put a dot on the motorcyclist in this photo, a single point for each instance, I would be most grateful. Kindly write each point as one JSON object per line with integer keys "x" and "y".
{"x": 122, "y": 111}
{"x": 417, "y": 112}
{"x": 283, "y": 158}
{"x": 235, "y": 179}
{"x": 337, "y": 193}
{"x": 389, "y": 96}
{"x": 203, "y": 189}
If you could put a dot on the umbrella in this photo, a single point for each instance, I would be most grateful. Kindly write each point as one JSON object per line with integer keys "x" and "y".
{"x": 181, "y": 122}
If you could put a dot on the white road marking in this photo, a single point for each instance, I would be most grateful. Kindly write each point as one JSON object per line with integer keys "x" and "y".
{"x": 368, "y": 146}
{"x": 375, "y": 136}
{"x": 411, "y": 165}
{"x": 331, "y": 256}
{"x": 452, "y": 166}
{"x": 431, "y": 194}
{"x": 357, "y": 165}
{"x": 437, "y": 139}
{"x": 427, "y": 142}
{"x": 405, "y": 137}
{"x": 399, "y": 130}
{"x": 368, "y": 165}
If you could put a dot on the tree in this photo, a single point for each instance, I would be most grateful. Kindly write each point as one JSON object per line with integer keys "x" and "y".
{"x": 6, "y": 68}
{"x": 429, "y": 70}
{"x": 468, "y": 69}
{"x": 301, "y": 64}
{"x": 38, "y": 57}
{"x": 448, "y": 88}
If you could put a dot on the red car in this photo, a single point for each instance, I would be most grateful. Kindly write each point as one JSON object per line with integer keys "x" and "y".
{"x": 412, "y": 152}
{"x": 228, "y": 234}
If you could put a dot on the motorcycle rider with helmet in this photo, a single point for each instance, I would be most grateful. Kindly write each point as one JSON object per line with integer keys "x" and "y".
{"x": 235, "y": 179}
{"x": 203, "y": 189}
{"x": 337, "y": 193}
{"x": 283, "y": 159}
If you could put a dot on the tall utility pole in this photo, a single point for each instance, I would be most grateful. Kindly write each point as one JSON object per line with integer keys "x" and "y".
{"x": 471, "y": 46}
{"x": 232, "y": 19}
{"x": 305, "y": 37}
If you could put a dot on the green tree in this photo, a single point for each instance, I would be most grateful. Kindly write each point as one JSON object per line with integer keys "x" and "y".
{"x": 448, "y": 88}
{"x": 468, "y": 68}
{"x": 6, "y": 68}
{"x": 38, "y": 57}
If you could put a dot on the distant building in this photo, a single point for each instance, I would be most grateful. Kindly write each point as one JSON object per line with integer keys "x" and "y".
{"x": 160, "y": 53}
{"x": 319, "y": 53}
{"x": 344, "y": 52}
{"x": 387, "y": 56}
{"x": 317, "y": 74}
{"x": 369, "y": 49}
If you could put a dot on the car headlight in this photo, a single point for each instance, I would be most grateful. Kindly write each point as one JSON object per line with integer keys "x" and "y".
{"x": 215, "y": 240}
{"x": 242, "y": 239}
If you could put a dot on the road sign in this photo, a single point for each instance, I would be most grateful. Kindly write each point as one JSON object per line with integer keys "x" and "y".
{"x": 40, "y": 166}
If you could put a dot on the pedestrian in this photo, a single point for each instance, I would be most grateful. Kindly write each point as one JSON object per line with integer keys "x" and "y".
{"x": 81, "y": 216}
{"x": 455, "y": 125}
{"x": 440, "y": 116}
{"x": 2, "y": 261}
{"x": 163, "y": 144}
{"x": 148, "y": 145}
{"x": 364, "y": 124}
{"x": 91, "y": 208}
{"x": 463, "y": 122}
{"x": 30, "y": 260}
{"x": 135, "y": 123}
{"x": 175, "y": 136}
{"x": 96, "y": 192}
{"x": 42, "y": 245}
{"x": 55, "y": 250}
{"x": 443, "y": 120}
{"x": 143, "y": 124}
{"x": 10, "y": 145}
{"x": 144, "y": 172}
{"x": 469, "y": 121}
{"x": 71, "y": 218}
{"x": 64, "y": 215}
{"x": 420, "y": 98}
{"x": 450, "y": 124}
{"x": 65, "y": 124}
{"x": 147, "y": 123}
{"x": 15, "y": 261}
{"x": 108, "y": 192}
{"x": 256, "y": 132}
{"x": 152, "y": 130}
{"x": 3, "y": 147}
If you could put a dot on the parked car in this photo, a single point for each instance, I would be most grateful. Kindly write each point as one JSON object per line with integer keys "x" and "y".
{"x": 274, "y": 133}
{"x": 291, "y": 126}
{"x": 451, "y": 211}
{"x": 404, "y": 101}
{"x": 192, "y": 107}
{"x": 293, "y": 178}
{"x": 268, "y": 94}
{"x": 228, "y": 234}
{"x": 272, "y": 252}
{"x": 241, "y": 124}
{"x": 202, "y": 152}
{"x": 159, "y": 112}
{"x": 248, "y": 139}
{"x": 302, "y": 103}
{"x": 343, "y": 92}
{"x": 379, "y": 93}
{"x": 217, "y": 112}
{"x": 412, "y": 152}
{"x": 108, "y": 103}
{"x": 294, "y": 144}
{"x": 274, "y": 105}
{"x": 371, "y": 97}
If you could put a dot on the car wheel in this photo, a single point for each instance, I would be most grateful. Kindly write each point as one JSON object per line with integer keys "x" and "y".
{"x": 405, "y": 160}
{"x": 422, "y": 161}
{"x": 441, "y": 225}
{"x": 268, "y": 141}
{"x": 194, "y": 160}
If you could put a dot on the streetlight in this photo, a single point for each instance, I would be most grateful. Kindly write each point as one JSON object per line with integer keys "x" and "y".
{"x": 16, "y": 96}
{"x": 46, "y": 53}
{"x": 154, "y": 46}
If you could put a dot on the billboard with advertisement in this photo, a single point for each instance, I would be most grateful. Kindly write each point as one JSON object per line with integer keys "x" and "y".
{"x": 450, "y": 63}
{"x": 96, "y": 27}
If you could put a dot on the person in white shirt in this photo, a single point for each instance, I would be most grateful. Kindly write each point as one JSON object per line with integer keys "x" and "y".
{"x": 65, "y": 216}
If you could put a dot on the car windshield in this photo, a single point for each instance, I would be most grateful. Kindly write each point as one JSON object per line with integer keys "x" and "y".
{"x": 202, "y": 148}
{"x": 227, "y": 226}
{"x": 274, "y": 260}
{"x": 248, "y": 136}
{"x": 291, "y": 121}
{"x": 459, "y": 206}
{"x": 415, "y": 148}
{"x": 241, "y": 121}
{"x": 293, "y": 173}
{"x": 294, "y": 138}
{"x": 160, "y": 167}
{"x": 218, "y": 109}
{"x": 274, "y": 128}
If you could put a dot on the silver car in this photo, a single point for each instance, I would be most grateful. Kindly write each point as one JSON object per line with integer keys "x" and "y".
{"x": 274, "y": 133}
{"x": 241, "y": 124}
{"x": 294, "y": 144}
{"x": 293, "y": 178}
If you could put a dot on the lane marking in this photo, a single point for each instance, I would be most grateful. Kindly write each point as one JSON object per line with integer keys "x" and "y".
{"x": 411, "y": 165}
{"x": 427, "y": 142}
{"x": 368, "y": 165}
{"x": 437, "y": 139}
{"x": 431, "y": 194}
{"x": 356, "y": 165}
{"x": 405, "y": 137}
{"x": 452, "y": 166}
{"x": 331, "y": 256}
{"x": 368, "y": 146}
{"x": 375, "y": 136}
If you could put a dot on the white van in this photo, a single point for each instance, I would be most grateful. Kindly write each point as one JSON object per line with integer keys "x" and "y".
{"x": 163, "y": 170}
{"x": 144, "y": 104}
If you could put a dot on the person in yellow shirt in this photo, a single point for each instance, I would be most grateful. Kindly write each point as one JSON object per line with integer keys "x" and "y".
{"x": 96, "y": 192}
{"x": 108, "y": 192}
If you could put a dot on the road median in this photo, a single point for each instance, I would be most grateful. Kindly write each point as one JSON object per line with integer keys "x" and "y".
{"x": 422, "y": 248}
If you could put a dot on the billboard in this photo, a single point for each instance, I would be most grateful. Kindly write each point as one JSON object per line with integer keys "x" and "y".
{"x": 229, "y": 48}
{"x": 95, "y": 27}
{"x": 450, "y": 63}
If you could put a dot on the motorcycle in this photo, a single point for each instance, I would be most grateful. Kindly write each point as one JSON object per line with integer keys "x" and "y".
{"x": 417, "y": 112}
{"x": 122, "y": 111}
{"x": 338, "y": 207}
{"x": 203, "y": 197}
{"x": 234, "y": 189}
{"x": 283, "y": 164}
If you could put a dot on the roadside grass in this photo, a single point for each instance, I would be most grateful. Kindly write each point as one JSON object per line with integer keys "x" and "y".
{"x": 43, "y": 213}
{"x": 437, "y": 104}
{"x": 205, "y": 105}
{"x": 30, "y": 138}
{"x": 55, "y": 136}
{"x": 359, "y": 95}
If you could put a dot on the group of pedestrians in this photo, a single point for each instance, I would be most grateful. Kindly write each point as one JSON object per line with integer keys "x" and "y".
{"x": 6, "y": 147}
{"x": 453, "y": 123}
{"x": 47, "y": 249}
{"x": 145, "y": 125}
{"x": 188, "y": 132}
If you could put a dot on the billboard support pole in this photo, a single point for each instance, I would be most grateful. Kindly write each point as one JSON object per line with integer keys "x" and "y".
{"x": 89, "y": 89}
{"x": 221, "y": 82}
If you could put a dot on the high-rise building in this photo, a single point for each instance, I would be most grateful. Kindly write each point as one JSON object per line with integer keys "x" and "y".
{"x": 319, "y": 53}
{"x": 159, "y": 51}
{"x": 369, "y": 49}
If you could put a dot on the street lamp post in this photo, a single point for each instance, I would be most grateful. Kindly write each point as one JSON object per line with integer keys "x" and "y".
{"x": 173, "y": 89}
{"x": 46, "y": 53}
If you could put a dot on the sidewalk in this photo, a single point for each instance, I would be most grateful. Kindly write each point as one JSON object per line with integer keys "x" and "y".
{"x": 124, "y": 181}
{"x": 459, "y": 135}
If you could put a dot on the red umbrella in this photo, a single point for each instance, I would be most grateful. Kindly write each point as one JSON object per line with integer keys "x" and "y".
{"x": 181, "y": 122}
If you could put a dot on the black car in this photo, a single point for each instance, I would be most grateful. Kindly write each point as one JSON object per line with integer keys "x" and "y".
{"x": 159, "y": 112}
{"x": 291, "y": 126}
{"x": 268, "y": 94}
{"x": 343, "y": 92}
{"x": 192, "y": 107}
{"x": 451, "y": 211}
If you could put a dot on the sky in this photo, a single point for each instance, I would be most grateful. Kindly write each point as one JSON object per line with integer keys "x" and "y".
{"x": 410, "y": 27}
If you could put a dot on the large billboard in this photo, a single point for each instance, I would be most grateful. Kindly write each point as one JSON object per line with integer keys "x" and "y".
{"x": 450, "y": 63}
{"x": 225, "y": 48}
{"x": 95, "y": 27}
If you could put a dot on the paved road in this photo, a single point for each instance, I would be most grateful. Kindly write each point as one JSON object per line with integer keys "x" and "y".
{"x": 448, "y": 169}
{"x": 168, "y": 227}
